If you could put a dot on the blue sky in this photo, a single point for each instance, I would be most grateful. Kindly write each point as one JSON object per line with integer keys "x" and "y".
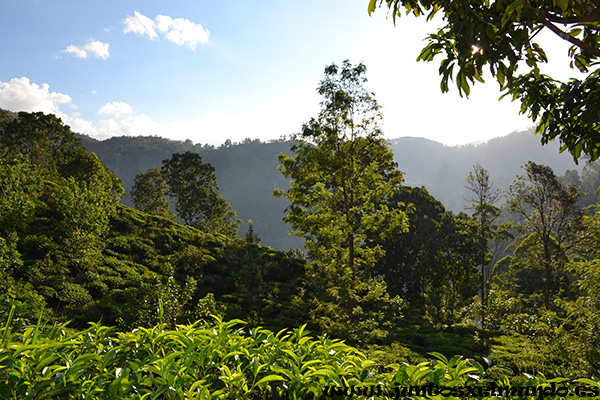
{"x": 215, "y": 70}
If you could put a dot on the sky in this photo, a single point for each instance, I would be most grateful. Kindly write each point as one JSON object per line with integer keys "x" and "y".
{"x": 209, "y": 71}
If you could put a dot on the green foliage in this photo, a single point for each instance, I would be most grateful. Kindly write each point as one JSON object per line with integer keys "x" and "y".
{"x": 150, "y": 260}
{"x": 568, "y": 111}
{"x": 70, "y": 251}
{"x": 223, "y": 360}
{"x": 458, "y": 279}
{"x": 20, "y": 185}
{"x": 342, "y": 172}
{"x": 193, "y": 186}
{"x": 500, "y": 34}
{"x": 432, "y": 266}
{"x": 413, "y": 259}
{"x": 149, "y": 193}
{"x": 207, "y": 361}
{"x": 485, "y": 196}
{"x": 54, "y": 212}
{"x": 550, "y": 213}
{"x": 582, "y": 311}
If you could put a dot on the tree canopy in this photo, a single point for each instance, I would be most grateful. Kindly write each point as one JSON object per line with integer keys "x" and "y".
{"x": 192, "y": 184}
{"x": 500, "y": 34}
{"x": 550, "y": 215}
{"x": 150, "y": 193}
{"x": 484, "y": 196}
{"x": 342, "y": 172}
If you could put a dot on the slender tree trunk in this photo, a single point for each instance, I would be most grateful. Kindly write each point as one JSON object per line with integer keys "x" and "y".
{"x": 548, "y": 273}
{"x": 483, "y": 297}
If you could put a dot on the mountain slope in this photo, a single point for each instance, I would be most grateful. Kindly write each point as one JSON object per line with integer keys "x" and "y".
{"x": 443, "y": 169}
{"x": 247, "y": 172}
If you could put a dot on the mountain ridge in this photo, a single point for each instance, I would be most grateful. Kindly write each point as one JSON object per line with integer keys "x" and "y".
{"x": 247, "y": 172}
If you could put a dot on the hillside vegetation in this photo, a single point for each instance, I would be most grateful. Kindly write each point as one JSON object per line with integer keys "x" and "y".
{"x": 71, "y": 253}
{"x": 247, "y": 172}
{"x": 70, "y": 249}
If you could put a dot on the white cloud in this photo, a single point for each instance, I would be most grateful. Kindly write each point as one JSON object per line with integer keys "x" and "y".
{"x": 180, "y": 31}
{"x": 140, "y": 25}
{"x": 115, "y": 108}
{"x": 134, "y": 125}
{"x": 93, "y": 48}
{"x": 80, "y": 125}
{"x": 21, "y": 95}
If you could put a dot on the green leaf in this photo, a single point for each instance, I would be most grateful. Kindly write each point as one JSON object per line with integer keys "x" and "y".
{"x": 269, "y": 378}
{"x": 562, "y": 4}
{"x": 372, "y": 6}
{"x": 439, "y": 356}
{"x": 588, "y": 381}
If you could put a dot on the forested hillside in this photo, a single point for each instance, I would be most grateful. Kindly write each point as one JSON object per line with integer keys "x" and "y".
{"x": 71, "y": 251}
{"x": 443, "y": 169}
{"x": 393, "y": 270}
{"x": 426, "y": 271}
{"x": 247, "y": 172}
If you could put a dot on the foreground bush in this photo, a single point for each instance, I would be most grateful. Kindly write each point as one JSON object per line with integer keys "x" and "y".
{"x": 221, "y": 360}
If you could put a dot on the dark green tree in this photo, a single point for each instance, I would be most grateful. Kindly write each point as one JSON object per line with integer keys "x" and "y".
{"x": 57, "y": 203}
{"x": 150, "y": 193}
{"x": 251, "y": 237}
{"x": 20, "y": 185}
{"x": 457, "y": 281}
{"x": 583, "y": 311}
{"x": 193, "y": 187}
{"x": 412, "y": 261}
{"x": 43, "y": 138}
{"x": 550, "y": 214}
{"x": 342, "y": 172}
{"x": 432, "y": 266}
{"x": 500, "y": 34}
{"x": 483, "y": 200}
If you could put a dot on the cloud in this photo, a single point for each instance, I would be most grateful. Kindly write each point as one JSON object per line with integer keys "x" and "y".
{"x": 134, "y": 125}
{"x": 21, "y": 95}
{"x": 180, "y": 31}
{"x": 140, "y": 25}
{"x": 115, "y": 108}
{"x": 80, "y": 125}
{"x": 93, "y": 48}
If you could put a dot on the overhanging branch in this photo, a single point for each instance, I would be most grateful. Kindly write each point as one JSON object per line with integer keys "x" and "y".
{"x": 564, "y": 35}
{"x": 581, "y": 19}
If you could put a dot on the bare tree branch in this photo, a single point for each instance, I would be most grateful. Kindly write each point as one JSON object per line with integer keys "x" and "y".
{"x": 564, "y": 35}
{"x": 581, "y": 19}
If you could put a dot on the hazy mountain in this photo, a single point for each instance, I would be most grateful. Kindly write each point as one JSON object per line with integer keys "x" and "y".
{"x": 443, "y": 169}
{"x": 247, "y": 172}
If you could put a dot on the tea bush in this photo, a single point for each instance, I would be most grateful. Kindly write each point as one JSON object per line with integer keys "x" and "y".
{"x": 199, "y": 361}
{"x": 218, "y": 360}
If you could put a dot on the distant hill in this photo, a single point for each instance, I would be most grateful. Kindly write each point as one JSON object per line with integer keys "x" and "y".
{"x": 444, "y": 169}
{"x": 247, "y": 172}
